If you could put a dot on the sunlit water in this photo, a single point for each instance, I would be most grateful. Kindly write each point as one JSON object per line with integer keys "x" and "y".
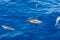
{"x": 15, "y": 13}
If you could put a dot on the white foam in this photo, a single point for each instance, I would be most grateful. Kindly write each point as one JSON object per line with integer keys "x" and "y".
{"x": 7, "y": 27}
{"x": 57, "y": 21}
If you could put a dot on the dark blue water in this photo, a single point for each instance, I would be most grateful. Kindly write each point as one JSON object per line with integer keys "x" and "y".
{"x": 15, "y": 13}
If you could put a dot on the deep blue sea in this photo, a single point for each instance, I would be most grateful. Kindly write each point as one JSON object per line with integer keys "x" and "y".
{"x": 15, "y": 13}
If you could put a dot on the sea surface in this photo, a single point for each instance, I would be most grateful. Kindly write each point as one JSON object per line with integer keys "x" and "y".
{"x": 15, "y": 13}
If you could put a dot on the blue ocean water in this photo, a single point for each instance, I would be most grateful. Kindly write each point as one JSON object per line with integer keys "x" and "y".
{"x": 15, "y": 13}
